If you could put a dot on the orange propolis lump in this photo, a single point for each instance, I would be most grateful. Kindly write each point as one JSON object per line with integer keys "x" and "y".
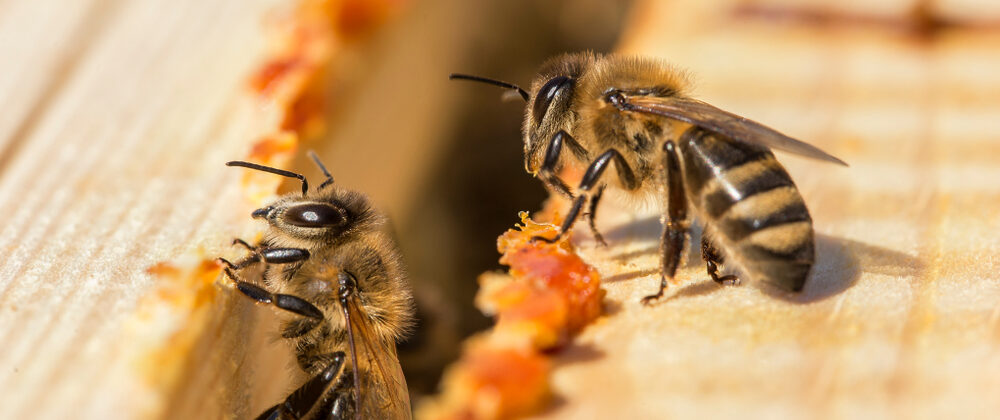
{"x": 357, "y": 18}
{"x": 303, "y": 44}
{"x": 549, "y": 295}
{"x": 527, "y": 317}
{"x": 555, "y": 267}
{"x": 180, "y": 280}
{"x": 275, "y": 150}
{"x": 185, "y": 289}
{"x": 293, "y": 79}
{"x": 491, "y": 382}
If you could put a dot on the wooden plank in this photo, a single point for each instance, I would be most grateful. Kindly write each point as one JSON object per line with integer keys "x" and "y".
{"x": 119, "y": 166}
{"x": 113, "y": 168}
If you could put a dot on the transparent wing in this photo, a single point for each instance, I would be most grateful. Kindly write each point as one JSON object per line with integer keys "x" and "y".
{"x": 383, "y": 389}
{"x": 728, "y": 124}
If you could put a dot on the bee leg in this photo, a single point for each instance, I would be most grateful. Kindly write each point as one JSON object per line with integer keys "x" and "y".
{"x": 590, "y": 178}
{"x": 338, "y": 403}
{"x": 571, "y": 217}
{"x": 243, "y": 263}
{"x": 340, "y": 407}
{"x": 303, "y": 399}
{"x": 238, "y": 241}
{"x": 556, "y": 184}
{"x": 238, "y": 265}
{"x": 547, "y": 171}
{"x": 283, "y": 255}
{"x": 674, "y": 220}
{"x": 592, "y": 214}
{"x": 712, "y": 260}
{"x": 269, "y": 255}
{"x": 336, "y": 406}
{"x": 289, "y": 303}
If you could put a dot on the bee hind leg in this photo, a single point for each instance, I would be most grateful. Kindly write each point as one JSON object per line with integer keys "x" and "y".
{"x": 713, "y": 259}
{"x": 338, "y": 406}
{"x": 298, "y": 404}
{"x": 674, "y": 221}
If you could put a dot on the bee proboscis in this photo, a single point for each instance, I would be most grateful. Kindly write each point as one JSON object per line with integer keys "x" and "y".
{"x": 671, "y": 151}
{"x": 331, "y": 267}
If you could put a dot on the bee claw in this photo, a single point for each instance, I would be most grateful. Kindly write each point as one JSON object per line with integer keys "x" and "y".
{"x": 649, "y": 300}
{"x": 646, "y": 301}
{"x": 226, "y": 263}
{"x": 729, "y": 280}
{"x": 240, "y": 242}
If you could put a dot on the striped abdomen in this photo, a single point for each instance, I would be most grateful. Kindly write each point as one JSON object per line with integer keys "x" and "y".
{"x": 750, "y": 205}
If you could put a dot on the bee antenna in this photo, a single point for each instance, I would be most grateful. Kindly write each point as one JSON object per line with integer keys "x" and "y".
{"x": 329, "y": 178}
{"x": 494, "y": 82}
{"x": 276, "y": 171}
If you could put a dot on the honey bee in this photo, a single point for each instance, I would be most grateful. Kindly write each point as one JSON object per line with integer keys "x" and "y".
{"x": 329, "y": 265}
{"x": 673, "y": 152}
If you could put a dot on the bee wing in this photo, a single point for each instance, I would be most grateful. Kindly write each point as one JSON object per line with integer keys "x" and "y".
{"x": 383, "y": 388}
{"x": 728, "y": 124}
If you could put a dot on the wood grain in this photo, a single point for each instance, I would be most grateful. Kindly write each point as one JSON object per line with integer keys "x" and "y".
{"x": 118, "y": 117}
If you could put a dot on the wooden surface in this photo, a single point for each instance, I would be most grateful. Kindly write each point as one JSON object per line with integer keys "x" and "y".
{"x": 901, "y": 316}
{"x": 117, "y": 119}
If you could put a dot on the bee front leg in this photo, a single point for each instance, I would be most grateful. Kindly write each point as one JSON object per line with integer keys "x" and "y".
{"x": 253, "y": 258}
{"x": 674, "y": 220}
{"x": 712, "y": 260}
{"x": 587, "y": 184}
{"x": 238, "y": 241}
{"x": 547, "y": 172}
{"x": 268, "y": 255}
{"x": 592, "y": 214}
{"x": 298, "y": 404}
{"x": 289, "y": 303}
{"x": 283, "y": 255}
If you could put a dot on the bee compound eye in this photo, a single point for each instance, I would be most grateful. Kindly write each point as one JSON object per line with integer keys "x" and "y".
{"x": 548, "y": 93}
{"x": 313, "y": 215}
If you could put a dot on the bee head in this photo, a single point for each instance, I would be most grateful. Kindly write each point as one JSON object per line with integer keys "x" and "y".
{"x": 327, "y": 213}
{"x": 550, "y": 102}
{"x": 547, "y": 114}
{"x": 551, "y": 108}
